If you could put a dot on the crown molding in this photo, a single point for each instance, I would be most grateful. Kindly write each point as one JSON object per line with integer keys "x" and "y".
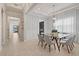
{"x": 66, "y": 9}
{"x": 30, "y": 8}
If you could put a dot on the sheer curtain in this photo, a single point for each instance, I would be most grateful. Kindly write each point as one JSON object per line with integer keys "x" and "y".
{"x": 58, "y": 25}
{"x": 64, "y": 25}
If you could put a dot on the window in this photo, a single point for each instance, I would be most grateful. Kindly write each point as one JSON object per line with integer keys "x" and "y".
{"x": 64, "y": 25}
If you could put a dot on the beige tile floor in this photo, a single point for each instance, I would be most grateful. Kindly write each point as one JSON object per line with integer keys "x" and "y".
{"x": 30, "y": 48}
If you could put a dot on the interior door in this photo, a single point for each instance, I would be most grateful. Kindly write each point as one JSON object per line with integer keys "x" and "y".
{"x": 41, "y": 28}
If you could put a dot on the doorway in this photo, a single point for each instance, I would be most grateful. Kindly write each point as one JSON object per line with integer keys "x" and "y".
{"x": 13, "y": 29}
{"x": 41, "y": 28}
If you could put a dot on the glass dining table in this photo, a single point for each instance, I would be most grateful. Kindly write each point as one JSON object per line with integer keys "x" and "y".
{"x": 61, "y": 35}
{"x": 57, "y": 39}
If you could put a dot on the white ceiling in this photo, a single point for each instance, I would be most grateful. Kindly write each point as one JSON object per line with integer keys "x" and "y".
{"x": 16, "y": 5}
{"x": 47, "y": 8}
{"x": 22, "y": 7}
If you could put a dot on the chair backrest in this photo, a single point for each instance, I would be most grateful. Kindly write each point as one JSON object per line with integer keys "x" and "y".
{"x": 55, "y": 34}
{"x": 40, "y": 37}
{"x": 47, "y": 39}
{"x": 71, "y": 39}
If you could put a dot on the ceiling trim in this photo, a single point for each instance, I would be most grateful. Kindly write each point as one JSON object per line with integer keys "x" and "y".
{"x": 39, "y": 15}
{"x": 65, "y": 9}
{"x": 31, "y": 8}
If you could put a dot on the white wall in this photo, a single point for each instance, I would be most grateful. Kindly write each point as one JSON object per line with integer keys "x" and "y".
{"x": 0, "y": 26}
{"x": 4, "y": 27}
{"x": 31, "y": 26}
{"x": 48, "y": 24}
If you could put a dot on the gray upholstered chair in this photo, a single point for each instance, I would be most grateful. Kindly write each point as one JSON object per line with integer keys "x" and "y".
{"x": 68, "y": 41}
{"x": 41, "y": 40}
{"x": 48, "y": 41}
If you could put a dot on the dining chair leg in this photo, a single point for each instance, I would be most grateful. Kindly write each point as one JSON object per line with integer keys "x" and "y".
{"x": 54, "y": 47}
{"x": 59, "y": 48}
{"x": 49, "y": 48}
{"x": 41, "y": 44}
{"x": 73, "y": 44}
{"x": 45, "y": 45}
{"x": 68, "y": 48}
{"x": 71, "y": 47}
{"x": 57, "y": 45}
{"x": 63, "y": 45}
{"x": 38, "y": 42}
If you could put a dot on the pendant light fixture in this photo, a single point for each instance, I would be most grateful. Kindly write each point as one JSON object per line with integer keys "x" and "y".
{"x": 54, "y": 17}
